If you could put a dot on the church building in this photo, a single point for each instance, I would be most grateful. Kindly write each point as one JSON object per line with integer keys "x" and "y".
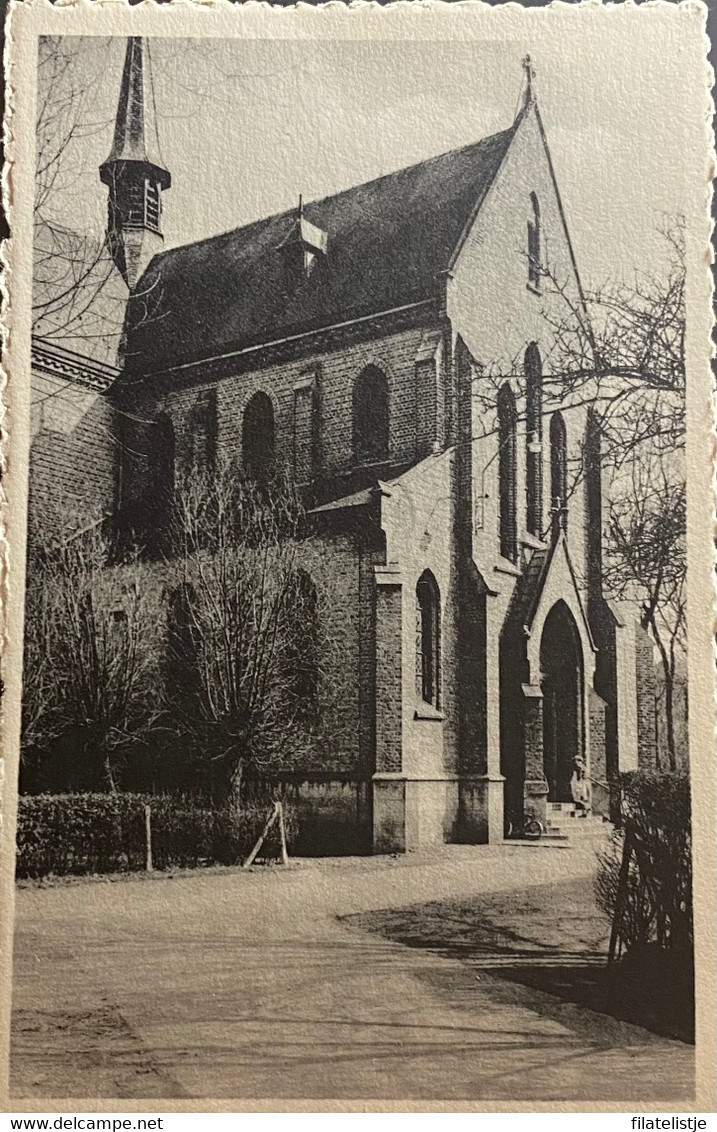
{"x": 389, "y": 348}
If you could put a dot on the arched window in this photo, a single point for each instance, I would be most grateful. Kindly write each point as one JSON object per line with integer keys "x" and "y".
{"x": 507, "y": 458}
{"x": 371, "y": 416}
{"x": 534, "y": 242}
{"x": 202, "y": 424}
{"x": 428, "y": 639}
{"x": 559, "y": 472}
{"x": 258, "y": 440}
{"x": 534, "y": 439}
{"x": 160, "y": 494}
{"x": 592, "y": 460}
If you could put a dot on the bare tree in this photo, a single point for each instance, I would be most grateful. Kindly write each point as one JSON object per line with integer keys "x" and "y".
{"x": 247, "y": 642}
{"x": 623, "y": 351}
{"x": 91, "y": 646}
{"x": 647, "y": 535}
{"x": 620, "y": 350}
{"x": 75, "y": 294}
{"x": 628, "y": 361}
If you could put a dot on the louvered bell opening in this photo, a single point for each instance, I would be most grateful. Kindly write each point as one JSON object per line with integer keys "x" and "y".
{"x": 153, "y": 205}
{"x": 143, "y": 207}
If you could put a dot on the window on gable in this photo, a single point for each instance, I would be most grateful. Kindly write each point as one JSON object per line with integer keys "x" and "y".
{"x": 371, "y": 417}
{"x": 559, "y": 472}
{"x": 507, "y": 473}
{"x": 428, "y": 639}
{"x": 534, "y": 439}
{"x": 534, "y": 242}
{"x": 258, "y": 439}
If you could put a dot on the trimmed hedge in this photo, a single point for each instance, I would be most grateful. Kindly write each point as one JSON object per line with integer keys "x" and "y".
{"x": 61, "y": 834}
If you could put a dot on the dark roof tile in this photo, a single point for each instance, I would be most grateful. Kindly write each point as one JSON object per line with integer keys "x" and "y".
{"x": 388, "y": 242}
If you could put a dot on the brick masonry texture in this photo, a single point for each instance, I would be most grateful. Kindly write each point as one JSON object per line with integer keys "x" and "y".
{"x": 73, "y": 460}
{"x": 389, "y": 678}
{"x": 427, "y": 509}
{"x": 645, "y": 670}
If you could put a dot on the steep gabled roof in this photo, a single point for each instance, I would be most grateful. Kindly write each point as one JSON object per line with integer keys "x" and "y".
{"x": 529, "y": 589}
{"x": 388, "y": 242}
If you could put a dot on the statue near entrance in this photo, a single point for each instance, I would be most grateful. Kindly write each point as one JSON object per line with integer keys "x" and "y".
{"x": 580, "y": 785}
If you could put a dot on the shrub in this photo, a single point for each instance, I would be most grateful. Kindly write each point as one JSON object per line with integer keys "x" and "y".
{"x": 656, "y": 903}
{"x": 63, "y": 834}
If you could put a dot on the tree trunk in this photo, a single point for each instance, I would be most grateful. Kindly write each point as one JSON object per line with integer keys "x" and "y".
{"x": 670, "y": 718}
{"x": 668, "y": 671}
{"x": 227, "y": 784}
{"x": 235, "y": 785}
{"x": 109, "y": 777}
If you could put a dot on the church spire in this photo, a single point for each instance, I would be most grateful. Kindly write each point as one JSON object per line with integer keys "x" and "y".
{"x": 134, "y": 171}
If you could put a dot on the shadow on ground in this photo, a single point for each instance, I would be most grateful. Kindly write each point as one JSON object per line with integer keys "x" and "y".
{"x": 552, "y": 940}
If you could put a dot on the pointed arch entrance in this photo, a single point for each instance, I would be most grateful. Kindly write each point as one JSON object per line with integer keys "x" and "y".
{"x": 561, "y": 666}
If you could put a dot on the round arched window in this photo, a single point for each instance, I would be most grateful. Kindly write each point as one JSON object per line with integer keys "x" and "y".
{"x": 371, "y": 416}
{"x": 258, "y": 439}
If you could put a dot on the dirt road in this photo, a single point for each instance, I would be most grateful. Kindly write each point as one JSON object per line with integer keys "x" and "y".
{"x": 246, "y": 985}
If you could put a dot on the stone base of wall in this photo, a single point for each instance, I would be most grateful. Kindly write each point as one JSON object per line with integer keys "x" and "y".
{"x": 535, "y": 799}
{"x": 417, "y": 814}
{"x": 480, "y": 815}
{"x": 390, "y": 814}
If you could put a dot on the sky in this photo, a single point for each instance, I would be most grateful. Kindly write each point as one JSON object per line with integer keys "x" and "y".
{"x": 247, "y": 125}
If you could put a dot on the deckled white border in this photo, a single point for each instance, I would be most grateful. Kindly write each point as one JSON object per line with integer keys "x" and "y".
{"x": 415, "y": 19}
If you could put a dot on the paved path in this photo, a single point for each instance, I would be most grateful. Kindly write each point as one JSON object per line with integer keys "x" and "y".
{"x": 246, "y": 985}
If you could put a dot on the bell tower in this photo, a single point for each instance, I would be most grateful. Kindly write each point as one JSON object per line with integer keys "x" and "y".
{"x": 134, "y": 171}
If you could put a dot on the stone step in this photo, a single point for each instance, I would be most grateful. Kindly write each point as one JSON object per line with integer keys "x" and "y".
{"x": 592, "y": 828}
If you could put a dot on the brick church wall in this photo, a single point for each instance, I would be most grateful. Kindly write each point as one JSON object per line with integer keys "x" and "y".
{"x": 598, "y": 760}
{"x": 334, "y": 565}
{"x": 646, "y": 689}
{"x": 389, "y": 675}
{"x": 312, "y": 398}
{"x": 72, "y": 457}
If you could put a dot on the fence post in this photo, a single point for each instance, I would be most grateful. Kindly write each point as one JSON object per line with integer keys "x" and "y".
{"x": 148, "y": 839}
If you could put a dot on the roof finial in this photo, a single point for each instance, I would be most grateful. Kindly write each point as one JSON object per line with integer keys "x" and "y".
{"x": 529, "y": 69}
{"x": 301, "y": 206}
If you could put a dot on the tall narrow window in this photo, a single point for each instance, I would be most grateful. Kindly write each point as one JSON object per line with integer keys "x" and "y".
{"x": 507, "y": 458}
{"x": 534, "y": 242}
{"x": 593, "y": 495}
{"x": 258, "y": 440}
{"x": 428, "y": 639}
{"x": 202, "y": 425}
{"x": 371, "y": 412}
{"x": 534, "y": 439}
{"x": 558, "y": 472}
{"x": 306, "y": 429}
{"x": 159, "y": 495}
{"x": 162, "y": 466}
